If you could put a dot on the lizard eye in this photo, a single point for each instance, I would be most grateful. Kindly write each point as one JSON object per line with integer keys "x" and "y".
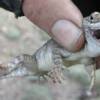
{"x": 91, "y": 18}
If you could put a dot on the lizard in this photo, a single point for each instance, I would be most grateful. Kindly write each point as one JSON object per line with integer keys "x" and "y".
{"x": 48, "y": 60}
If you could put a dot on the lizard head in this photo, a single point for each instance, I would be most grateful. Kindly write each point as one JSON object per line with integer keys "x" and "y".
{"x": 91, "y": 28}
{"x": 91, "y": 25}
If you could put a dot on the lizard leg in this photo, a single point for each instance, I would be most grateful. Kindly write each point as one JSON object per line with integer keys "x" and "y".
{"x": 56, "y": 72}
{"x": 90, "y": 67}
{"x": 92, "y": 75}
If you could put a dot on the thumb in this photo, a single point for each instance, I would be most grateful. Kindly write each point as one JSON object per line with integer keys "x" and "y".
{"x": 53, "y": 17}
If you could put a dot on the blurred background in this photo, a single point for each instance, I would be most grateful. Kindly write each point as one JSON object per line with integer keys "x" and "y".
{"x": 18, "y": 36}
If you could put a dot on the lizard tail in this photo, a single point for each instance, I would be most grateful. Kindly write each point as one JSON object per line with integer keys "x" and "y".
{"x": 23, "y": 65}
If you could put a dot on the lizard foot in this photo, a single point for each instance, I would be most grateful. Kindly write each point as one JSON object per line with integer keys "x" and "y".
{"x": 56, "y": 75}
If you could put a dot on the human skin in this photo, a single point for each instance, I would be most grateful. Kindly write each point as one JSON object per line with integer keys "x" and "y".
{"x": 61, "y": 19}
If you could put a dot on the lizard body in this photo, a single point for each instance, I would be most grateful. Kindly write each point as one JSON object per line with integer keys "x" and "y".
{"x": 51, "y": 55}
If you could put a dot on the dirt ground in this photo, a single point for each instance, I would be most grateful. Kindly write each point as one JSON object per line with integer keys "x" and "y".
{"x": 19, "y": 36}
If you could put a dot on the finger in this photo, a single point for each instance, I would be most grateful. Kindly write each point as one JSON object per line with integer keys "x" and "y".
{"x": 68, "y": 35}
{"x": 46, "y": 14}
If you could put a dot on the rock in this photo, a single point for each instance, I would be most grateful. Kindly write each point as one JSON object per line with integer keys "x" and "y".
{"x": 37, "y": 92}
{"x": 11, "y": 32}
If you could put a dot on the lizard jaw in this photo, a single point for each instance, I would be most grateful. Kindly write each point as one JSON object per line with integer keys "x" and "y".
{"x": 94, "y": 29}
{"x": 96, "y": 34}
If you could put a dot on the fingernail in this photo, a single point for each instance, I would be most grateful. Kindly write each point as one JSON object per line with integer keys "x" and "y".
{"x": 67, "y": 35}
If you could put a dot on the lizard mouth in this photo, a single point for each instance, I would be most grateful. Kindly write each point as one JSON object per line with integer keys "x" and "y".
{"x": 96, "y": 34}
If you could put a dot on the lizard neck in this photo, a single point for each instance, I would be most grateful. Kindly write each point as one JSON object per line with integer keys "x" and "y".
{"x": 92, "y": 46}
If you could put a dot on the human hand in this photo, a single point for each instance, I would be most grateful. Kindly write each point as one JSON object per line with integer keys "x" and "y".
{"x": 61, "y": 19}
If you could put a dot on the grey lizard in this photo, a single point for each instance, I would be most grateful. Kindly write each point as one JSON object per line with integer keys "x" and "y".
{"x": 49, "y": 58}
